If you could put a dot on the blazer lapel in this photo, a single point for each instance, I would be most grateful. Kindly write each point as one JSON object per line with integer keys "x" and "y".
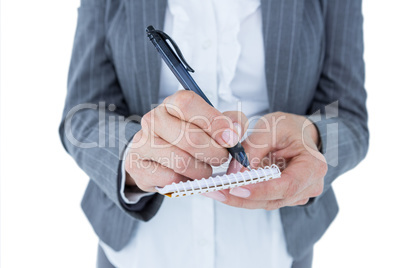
{"x": 147, "y": 63}
{"x": 281, "y": 20}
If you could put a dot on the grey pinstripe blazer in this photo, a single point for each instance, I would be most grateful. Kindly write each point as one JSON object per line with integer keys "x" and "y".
{"x": 313, "y": 56}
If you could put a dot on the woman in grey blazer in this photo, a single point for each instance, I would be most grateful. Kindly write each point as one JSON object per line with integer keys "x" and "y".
{"x": 314, "y": 68}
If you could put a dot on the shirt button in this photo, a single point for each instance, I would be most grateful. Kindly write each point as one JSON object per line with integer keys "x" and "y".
{"x": 207, "y": 44}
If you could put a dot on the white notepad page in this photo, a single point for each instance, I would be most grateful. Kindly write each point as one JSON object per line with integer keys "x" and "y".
{"x": 217, "y": 183}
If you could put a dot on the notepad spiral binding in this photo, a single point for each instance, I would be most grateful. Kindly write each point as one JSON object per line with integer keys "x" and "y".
{"x": 192, "y": 187}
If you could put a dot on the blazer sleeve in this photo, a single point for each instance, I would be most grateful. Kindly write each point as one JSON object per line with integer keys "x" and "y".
{"x": 96, "y": 126}
{"x": 341, "y": 97}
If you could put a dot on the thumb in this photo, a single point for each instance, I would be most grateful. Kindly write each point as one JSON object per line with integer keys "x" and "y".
{"x": 240, "y": 121}
{"x": 235, "y": 167}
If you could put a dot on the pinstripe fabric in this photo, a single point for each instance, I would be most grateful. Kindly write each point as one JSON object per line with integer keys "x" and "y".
{"x": 313, "y": 57}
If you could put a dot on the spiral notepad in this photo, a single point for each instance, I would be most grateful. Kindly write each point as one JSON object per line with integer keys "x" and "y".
{"x": 192, "y": 187}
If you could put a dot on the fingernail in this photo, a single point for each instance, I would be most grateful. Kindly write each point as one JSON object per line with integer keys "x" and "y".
{"x": 238, "y": 128}
{"x": 230, "y": 137}
{"x": 218, "y": 196}
{"x": 240, "y": 192}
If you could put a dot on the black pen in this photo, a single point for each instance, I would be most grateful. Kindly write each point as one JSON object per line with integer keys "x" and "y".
{"x": 180, "y": 68}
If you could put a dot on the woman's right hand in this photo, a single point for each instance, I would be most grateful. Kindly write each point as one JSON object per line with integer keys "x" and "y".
{"x": 181, "y": 139}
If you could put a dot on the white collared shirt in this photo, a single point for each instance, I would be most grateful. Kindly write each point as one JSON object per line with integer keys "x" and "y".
{"x": 222, "y": 40}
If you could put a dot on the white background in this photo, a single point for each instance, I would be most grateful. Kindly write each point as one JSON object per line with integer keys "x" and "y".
{"x": 41, "y": 222}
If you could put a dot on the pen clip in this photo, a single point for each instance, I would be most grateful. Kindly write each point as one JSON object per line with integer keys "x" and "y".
{"x": 176, "y": 48}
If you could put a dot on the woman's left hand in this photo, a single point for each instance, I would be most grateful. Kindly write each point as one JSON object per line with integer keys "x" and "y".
{"x": 291, "y": 142}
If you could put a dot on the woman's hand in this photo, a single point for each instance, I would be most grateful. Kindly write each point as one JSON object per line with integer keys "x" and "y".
{"x": 181, "y": 139}
{"x": 285, "y": 139}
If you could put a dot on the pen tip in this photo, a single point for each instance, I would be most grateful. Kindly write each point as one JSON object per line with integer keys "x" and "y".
{"x": 249, "y": 168}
